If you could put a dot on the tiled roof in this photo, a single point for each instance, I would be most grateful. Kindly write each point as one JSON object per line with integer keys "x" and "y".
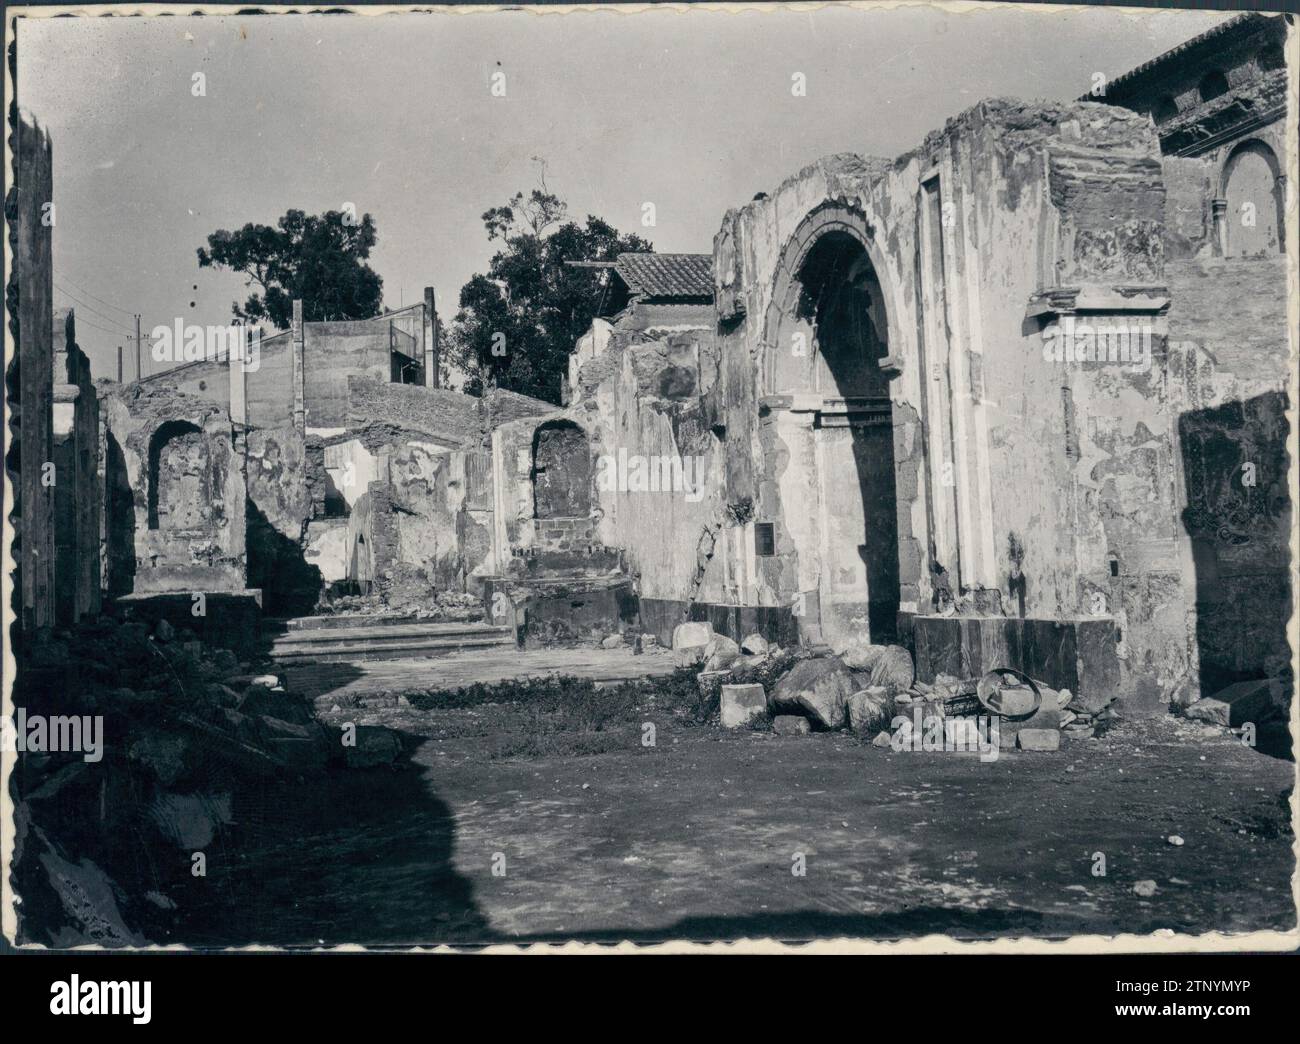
{"x": 1247, "y": 21}
{"x": 667, "y": 275}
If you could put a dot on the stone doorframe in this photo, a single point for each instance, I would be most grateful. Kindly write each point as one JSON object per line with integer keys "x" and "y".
{"x": 814, "y": 410}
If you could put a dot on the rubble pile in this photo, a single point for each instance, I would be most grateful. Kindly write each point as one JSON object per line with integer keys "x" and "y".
{"x": 451, "y": 606}
{"x": 863, "y": 688}
{"x": 192, "y": 738}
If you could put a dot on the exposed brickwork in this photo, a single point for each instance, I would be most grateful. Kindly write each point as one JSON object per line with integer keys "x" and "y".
{"x": 446, "y": 415}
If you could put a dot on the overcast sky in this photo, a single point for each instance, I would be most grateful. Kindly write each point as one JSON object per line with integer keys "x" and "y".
{"x": 691, "y": 110}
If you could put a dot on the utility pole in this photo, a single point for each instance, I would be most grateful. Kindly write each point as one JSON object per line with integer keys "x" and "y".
{"x": 119, "y": 364}
{"x": 137, "y": 346}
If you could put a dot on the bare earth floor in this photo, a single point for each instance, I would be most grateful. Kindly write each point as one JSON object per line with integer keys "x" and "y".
{"x": 467, "y": 668}
{"x": 697, "y": 837}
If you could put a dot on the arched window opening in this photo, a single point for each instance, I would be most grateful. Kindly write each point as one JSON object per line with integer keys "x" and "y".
{"x": 178, "y": 473}
{"x": 561, "y": 471}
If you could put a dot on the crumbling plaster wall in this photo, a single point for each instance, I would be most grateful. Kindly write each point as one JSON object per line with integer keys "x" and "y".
{"x": 206, "y": 557}
{"x": 279, "y": 508}
{"x": 1046, "y": 211}
{"x": 429, "y": 530}
{"x": 1230, "y": 367}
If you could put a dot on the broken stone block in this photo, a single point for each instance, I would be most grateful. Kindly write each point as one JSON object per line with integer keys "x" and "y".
{"x": 747, "y": 663}
{"x": 1018, "y": 701}
{"x": 613, "y": 641}
{"x": 859, "y": 654}
{"x": 883, "y": 739}
{"x": 741, "y": 704}
{"x": 1038, "y": 739}
{"x": 1146, "y": 889}
{"x": 375, "y": 746}
{"x": 720, "y": 653}
{"x": 894, "y": 669}
{"x": 820, "y": 687}
{"x": 710, "y": 682}
{"x": 692, "y": 636}
{"x": 1043, "y": 718}
{"x": 1256, "y": 701}
{"x": 869, "y": 710}
{"x": 790, "y": 725}
{"x": 754, "y": 645}
{"x": 1052, "y": 697}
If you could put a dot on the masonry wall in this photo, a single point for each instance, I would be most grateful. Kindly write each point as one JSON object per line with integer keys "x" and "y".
{"x": 78, "y": 497}
{"x": 1230, "y": 366}
{"x": 29, "y": 390}
{"x": 657, "y": 465}
{"x": 1036, "y": 488}
{"x": 188, "y": 492}
{"x": 334, "y": 352}
{"x": 278, "y": 511}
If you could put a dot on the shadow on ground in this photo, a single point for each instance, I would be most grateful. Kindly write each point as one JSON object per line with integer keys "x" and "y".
{"x": 361, "y": 856}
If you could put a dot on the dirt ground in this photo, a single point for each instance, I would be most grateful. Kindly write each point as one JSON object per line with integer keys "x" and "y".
{"x": 698, "y": 836}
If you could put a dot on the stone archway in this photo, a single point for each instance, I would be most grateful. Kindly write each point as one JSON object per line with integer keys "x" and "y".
{"x": 1252, "y": 186}
{"x": 829, "y": 423}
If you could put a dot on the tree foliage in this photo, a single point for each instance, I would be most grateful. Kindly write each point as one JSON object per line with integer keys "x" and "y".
{"x": 518, "y": 322}
{"x": 318, "y": 258}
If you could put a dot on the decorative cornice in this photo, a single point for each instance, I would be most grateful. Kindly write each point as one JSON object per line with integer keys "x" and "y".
{"x": 1127, "y": 299}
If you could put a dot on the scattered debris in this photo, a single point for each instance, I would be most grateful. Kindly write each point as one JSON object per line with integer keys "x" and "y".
{"x": 819, "y": 687}
{"x": 1246, "y": 701}
{"x": 741, "y": 704}
{"x": 790, "y": 725}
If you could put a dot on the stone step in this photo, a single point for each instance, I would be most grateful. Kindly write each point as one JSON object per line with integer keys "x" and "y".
{"x": 343, "y": 650}
{"x": 385, "y": 632}
{"x": 317, "y": 623}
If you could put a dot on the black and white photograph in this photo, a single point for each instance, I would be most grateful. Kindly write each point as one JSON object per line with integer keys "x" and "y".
{"x": 804, "y": 477}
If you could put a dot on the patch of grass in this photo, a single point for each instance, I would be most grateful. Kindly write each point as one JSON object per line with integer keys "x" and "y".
{"x": 578, "y": 705}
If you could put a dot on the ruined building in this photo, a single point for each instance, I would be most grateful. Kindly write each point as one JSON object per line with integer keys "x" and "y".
{"x": 328, "y": 461}
{"x": 1014, "y": 398}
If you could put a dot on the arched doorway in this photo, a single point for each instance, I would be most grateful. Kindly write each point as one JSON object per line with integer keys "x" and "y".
{"x": 829, "y": 401}
{"x": 1253, "y": 189}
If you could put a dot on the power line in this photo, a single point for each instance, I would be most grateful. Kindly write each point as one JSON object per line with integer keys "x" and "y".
{"x": 99, "y": 299}
{"x": 83, "y": 304}
{"x": 104, "y": 329}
